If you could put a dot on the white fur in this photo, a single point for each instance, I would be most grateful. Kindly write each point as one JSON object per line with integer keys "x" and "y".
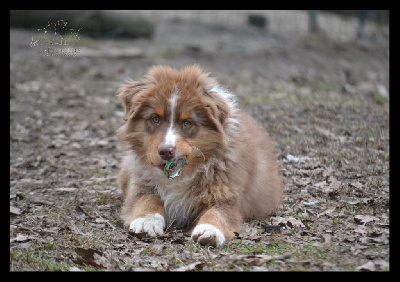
{"x": 207, "y": 231}
{"x": 171, "y": 136}
{"x": 232, "y": 123}
{"x": 226, "y": 95}
{"x": 152, "y": 224}
{"x": 174, "y": 193}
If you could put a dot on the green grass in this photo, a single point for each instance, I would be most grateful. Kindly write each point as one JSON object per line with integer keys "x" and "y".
{"x": 36, "y": 261}
{"x": 275, "y": 247}
{"x": 308, "y": 252}
{"x": 380, "y": 99}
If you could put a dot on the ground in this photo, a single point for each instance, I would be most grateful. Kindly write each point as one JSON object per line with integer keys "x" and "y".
{"x": 325, "y": 104}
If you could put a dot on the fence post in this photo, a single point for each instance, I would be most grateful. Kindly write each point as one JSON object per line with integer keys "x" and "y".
{"x": 312, "y": 21}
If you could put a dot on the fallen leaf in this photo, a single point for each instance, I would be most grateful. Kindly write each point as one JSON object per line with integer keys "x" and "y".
{"x": 191, "y": 267}
{"x": 382, "y": 264}
{"x": 321, "y": 184}
{"x": 255, "y": 259}
{"x": 101, "y": 163}
{"x": 259, "y": 268}
{"x": 286, "y": 221}
{"x": 98, "y": 143}
{"x": 20, "y": 238}
{"x": 327, "y": 239}
{"x": 361, "y": 230}
{"x": 178, "y": 241}
{"x": 101, "y": 220}
{"x": 15, "y": 210}
{"x": 369, "y": 266}
{"x": 26, "y": 245}
{"x": 356, "y": 185}
{"x": 301, "y": 182}
{"x": 328, "y": 211}
{"x": 294, "y": 159}
{"x": 91, "y": 257}
{"x": 328, "y": 266}
{"x": 379, "y": 240}
{"x": 363, "y": 219}
{"x": 273, "y": 229}
{"x": 355, "y": 202}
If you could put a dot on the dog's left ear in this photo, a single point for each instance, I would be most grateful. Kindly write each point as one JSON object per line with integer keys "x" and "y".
{"x": 130, "y": 96}
{"x": 216, "y": 103}
{"x": 217, "y": 107}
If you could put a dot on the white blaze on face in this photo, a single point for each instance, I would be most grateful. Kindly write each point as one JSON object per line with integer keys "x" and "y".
{"x": 171, "y": 136}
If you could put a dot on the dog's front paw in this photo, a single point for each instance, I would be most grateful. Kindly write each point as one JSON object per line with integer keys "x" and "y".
{"x": 153, "y": 224}
{"x": 208, "y": 235}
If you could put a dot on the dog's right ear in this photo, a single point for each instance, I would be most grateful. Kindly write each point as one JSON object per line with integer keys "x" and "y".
{"x": 130, "y": 96}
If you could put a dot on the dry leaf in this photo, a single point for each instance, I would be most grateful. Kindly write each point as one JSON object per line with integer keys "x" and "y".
{"x": 91, "y": 257}
{"x": 20, "y": 238}
{"x": 328, "y": 211}
{"x": 259, "y": 268}
{"x": 287, "y": 221}
{"x": 327, "y": 239}
{"x": 15, "y": 210}
{"x": 254, "y": 259}
{"x": 101, "y": 163}
{"x": 101, "y": 220}
{"x": 369, "y": 266}
{"x": 191, "y": 267}
{"x": 363, "y": 219}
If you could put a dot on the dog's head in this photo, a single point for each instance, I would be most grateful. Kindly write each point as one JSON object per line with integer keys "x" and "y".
{"x": 173, "y": 113}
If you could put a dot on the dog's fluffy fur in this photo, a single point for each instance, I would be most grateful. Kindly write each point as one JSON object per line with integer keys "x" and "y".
{"x": 231, "y": 175}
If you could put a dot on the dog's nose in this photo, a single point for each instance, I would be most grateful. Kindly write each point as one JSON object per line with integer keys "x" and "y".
{"x": 167, "y": 153}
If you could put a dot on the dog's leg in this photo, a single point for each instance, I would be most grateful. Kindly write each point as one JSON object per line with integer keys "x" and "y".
{"x": 147, "y": 214}
{"x": 216, "y": 226}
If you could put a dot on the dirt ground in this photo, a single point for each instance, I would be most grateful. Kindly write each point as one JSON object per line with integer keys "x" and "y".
{"x": 325, "y": 104}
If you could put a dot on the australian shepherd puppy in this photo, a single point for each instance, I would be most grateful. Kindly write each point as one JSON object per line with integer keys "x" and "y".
{"x": 231, "y": 173}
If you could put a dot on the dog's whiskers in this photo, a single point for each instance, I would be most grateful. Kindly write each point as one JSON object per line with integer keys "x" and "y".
{"x": 198, "y": 150}
{"x": 144, "y": 155}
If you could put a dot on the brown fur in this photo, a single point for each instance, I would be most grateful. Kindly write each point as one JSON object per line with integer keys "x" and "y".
{"x": 231, "y": 174}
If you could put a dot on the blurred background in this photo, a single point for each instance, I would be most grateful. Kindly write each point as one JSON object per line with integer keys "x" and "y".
{"x": 245, "y": 31}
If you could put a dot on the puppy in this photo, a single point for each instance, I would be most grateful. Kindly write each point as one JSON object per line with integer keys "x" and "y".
{"x": 231, "y": 174}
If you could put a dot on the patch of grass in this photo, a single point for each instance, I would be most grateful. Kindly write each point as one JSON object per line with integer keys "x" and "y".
{"x": 253, "y": 99}
{"x": 336, "y": 222}
{"x": 380, "y": 99}
{"x": 261, "y": 247}
{"x": 167, "y": 53}
{"x": 98, "y": 172}
{"x": 320, "y": 85}
{"x": 193, "y": 247}
{"x": 101, "y": 199}
{"x": 241, "y": 81}
{"x": 309, "y": 252}
{"x": 35, "y": 261}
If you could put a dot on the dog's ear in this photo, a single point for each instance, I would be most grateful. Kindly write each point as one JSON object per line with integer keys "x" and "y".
{"x": 217, "y": 109}
{"x": 130, "y": 94}
{"x": 216, "y": 98}
{"x": 219, "y": 103}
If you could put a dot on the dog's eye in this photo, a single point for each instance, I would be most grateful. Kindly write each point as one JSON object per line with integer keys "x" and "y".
{"x": 187, "y": 123}
{"x": 156, "y": 119}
